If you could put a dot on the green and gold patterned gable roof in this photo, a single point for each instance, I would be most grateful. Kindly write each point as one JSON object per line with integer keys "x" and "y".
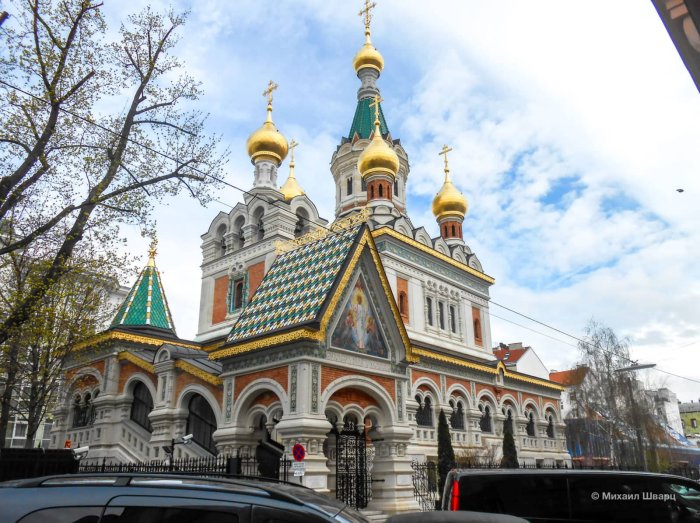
{"x": 145, "y": 305}
{"x": 296, "y": 286}
{"x": 363, "y": 121}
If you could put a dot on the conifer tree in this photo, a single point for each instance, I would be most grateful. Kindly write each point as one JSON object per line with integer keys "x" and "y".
{"x": 510, "y": 453}
{"x": 446, "y": 456}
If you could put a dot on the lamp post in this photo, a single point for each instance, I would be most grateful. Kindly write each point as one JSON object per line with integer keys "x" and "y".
{"x": 170, "y": 449}
{"x": 635, "y": 407}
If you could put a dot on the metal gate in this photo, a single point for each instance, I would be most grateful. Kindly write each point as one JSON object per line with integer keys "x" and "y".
{"x": 353, "y": 479}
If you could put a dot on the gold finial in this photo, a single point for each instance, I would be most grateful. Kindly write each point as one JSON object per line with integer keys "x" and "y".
{"x": 292, "y": 145}
{"x": 272, "y": 86}
{"x": 152, "y": 253}
{"x": 444, "y": 152}
{"x": 366, "y": 13}
{"x": 268, "y": 92}
{"x": 375, "y": 104}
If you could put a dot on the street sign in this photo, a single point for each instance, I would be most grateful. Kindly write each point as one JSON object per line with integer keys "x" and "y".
{"x": 299, "y": 468}
{"x": 299, "y": 452}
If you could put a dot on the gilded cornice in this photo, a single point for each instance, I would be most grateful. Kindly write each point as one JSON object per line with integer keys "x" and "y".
{"x": 410, "y": 241}
{"x": 301, "y": 333}
{"x": 214, "y": 346}
{"x": 135, "y": 338}
{"x": 127, "y": 356}
{"x": 487, "y": 369}
{"x": 197, "y": 372}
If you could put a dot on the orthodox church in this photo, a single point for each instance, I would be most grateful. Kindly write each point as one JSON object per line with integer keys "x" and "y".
{"x": 340, "y": 336}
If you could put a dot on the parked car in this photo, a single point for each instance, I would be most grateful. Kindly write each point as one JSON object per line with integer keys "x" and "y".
{"x": 151, "y": 498}
{"x": 574, "y": 495}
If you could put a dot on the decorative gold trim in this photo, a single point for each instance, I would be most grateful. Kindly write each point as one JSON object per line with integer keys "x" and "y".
{"x": 282, "y": 246}
{"x": 125, "y": 336}
{"x": 127, "y": 356}
{"x": 267, "y": 341}
{"x": 432, "y": 252}
{"x": 486, "y": 369}
{"x": 214, "y": 346}
{"x": 197, "y": 372}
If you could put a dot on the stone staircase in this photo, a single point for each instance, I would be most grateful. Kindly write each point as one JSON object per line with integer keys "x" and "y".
{"x": 374, "y": 515}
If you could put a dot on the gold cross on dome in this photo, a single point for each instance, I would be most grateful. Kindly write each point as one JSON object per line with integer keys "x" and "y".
{"x": 292, "y": 145}
{"x": 444, "y": 152}
{"x": 268, "y": 92}
{"x": 375, "y": 104}
{"x": 366, "y": 12}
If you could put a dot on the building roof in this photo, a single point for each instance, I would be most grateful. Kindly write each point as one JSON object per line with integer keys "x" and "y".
{"x": 146, "y": 305}
{"x": 509, "y": 355}
{"x": 295, "y": 288}
{"x": 569, "y": 377}
{"x": 689, "y": 407}
{"x": 363, "y": 122}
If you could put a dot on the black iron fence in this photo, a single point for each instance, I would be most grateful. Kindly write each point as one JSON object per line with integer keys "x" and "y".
{"x": 214, "y": 465}
{"x": 426, "y": 479}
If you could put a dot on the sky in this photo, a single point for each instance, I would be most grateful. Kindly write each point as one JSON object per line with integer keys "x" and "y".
{"x": 573, "y": 124}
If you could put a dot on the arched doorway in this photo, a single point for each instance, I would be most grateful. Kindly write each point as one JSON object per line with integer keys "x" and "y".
{"x": 201, "y": 423}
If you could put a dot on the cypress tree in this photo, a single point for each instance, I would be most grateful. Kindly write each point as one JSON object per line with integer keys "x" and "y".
{"x": 510, "y": 454}
{"x": 446, "y": 456}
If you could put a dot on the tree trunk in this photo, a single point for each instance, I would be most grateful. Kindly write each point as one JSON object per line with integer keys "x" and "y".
{"x": 11, "y": 371}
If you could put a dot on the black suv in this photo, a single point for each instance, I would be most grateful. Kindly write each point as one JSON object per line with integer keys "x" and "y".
{"x": 574, "y": 495}
{"x": 151, "y": 498}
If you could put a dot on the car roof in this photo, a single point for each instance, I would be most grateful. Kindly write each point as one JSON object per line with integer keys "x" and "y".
{"x": 250, "y": 486}
{"x": 565, "y": 472}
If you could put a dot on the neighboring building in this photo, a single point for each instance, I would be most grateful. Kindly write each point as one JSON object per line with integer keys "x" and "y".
{"x": 666, "y": 408}
{"x": 363, "y": 332}
{"x": 690, "y": 419}
{"x": 521, "y": 359}
{"x": 682, "y": 21}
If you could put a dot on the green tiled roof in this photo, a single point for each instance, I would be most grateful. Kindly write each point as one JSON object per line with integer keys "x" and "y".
{"x": 296, "y": 286}
{"x": 363, "y": 122}
{"x": 145, "y": 305}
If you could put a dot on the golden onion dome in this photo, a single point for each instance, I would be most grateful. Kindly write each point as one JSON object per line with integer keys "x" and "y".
{"x": 449, "y": 202}
{"x": 267, "y": 143}
{"x": 291, "y": 187}
{"x": 368, "y": 56}
{"x": 378, "y": 156}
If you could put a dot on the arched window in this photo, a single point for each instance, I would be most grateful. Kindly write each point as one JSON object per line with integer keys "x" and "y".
{"x": 220, "y": 239}
{"x": 238, "y": 294}
{"x": 445, "y": 229}
{"x": 396, "y": 187}
{"x": 381, "y": 191}
{"x": 457, "y": 416}
{"x": 477, "y": 329}
{"x": 424, "y": 414}
{"x": 485, "y": 421}
{"x": 238, "y": 236}
{"x": 453, "y": 231}
{"x": 453, "y": 319}
{"x": 141, "y": 406}
{"x": 371, "y": 192}
{"x": 201, "y": 423}
{"x": 76, "y": 411}
{"x": 429, "y": 310}
{"x": 441, "y": 314}
{"x": 349, "y": 186}
{"x": 364, "y": 184}
{"x": 403, "y": 304}
{"x": 530, "y": 427}
{"x": 550, "y": 426}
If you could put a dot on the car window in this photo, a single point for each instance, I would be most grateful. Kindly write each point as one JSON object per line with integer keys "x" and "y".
{"x": 286, "y": 515}
{"x": 167, "y": 515}
{"x": 616, "y": 497}
{"x": 64, "y": 515}
{"x": 536, "y": 495}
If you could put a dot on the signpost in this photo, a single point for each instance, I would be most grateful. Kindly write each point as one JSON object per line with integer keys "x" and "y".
{"x": 299, "y": 467}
